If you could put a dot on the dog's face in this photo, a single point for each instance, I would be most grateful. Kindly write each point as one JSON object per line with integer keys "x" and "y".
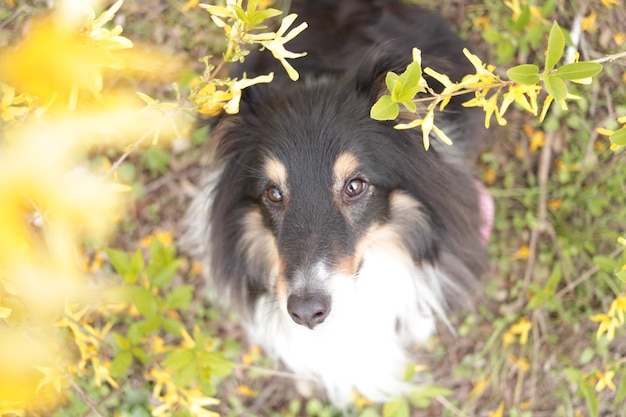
{"x": 309, "y": 183}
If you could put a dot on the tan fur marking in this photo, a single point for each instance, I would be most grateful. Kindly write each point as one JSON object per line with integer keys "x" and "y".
{"x": 347, "y": 265}
{"x": 276, "y": 172}
{"x": 386, "y": 236}
{"x": 258, "y": 242}
{"x": 281, "y": 283}
{"x": 345, "y": 166}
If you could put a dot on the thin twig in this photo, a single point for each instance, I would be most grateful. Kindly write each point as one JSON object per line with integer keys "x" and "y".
{"x": 126, "y": 154}
{"x": 542, "y": 181}
{"x": 450, "y": 407}
{"x": 282, "y": 374}
{"x": 610, "y": 58}
{"x": 584, "y": 277}
{"x": 92, "y": 406}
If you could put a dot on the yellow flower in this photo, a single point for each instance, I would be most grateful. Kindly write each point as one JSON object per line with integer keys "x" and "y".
{"x": 589, "y": 23}
{"x": 537, "y": 140}
{"x": 276, "y": 45}
{"x": 618, "y": 309}
{"x": 610, "y": 3}
{"x": 619, "y": 38}
{"x": 481, "y": 22}
{"x": 163, "y": 236}
{"x": 521, "y": 363}
{"x": 608, "y": 324}
{"x": 523, "y": 252}
{"x": 522, "y": 94}
{"x": 195, "y": 401}
{"x": 74, "y": 56}
{"x": 489, "y": 176}
{"x": 521, "y": 329}
{"x": 478, "y": 389}
{"x": 555, "y": 204}
{"x": 235, "y": 88}
{"x": 605, "y": 379}
{"x": 12, "y": 107}
{"x": 244, "y": 390}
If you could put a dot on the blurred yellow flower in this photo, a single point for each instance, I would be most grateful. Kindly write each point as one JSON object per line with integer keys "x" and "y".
{"x": 523, "y": 252}
{"x": 244, "y": 390}
{"x": 589, "y": 23}
{"x": 610, "y": 3}
{"x": 521, "y": 329}
{"x": 520, "y": 363}
{"x": 605, "y": 380}
{"x": 72, "y": 56}
{"x": 164, "y": 236}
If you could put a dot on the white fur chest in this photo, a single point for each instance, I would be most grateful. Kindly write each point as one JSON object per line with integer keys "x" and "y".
{"x": 362, "y": 344}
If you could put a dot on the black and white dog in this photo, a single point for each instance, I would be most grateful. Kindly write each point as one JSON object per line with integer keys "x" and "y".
{"x": 338, "y": 239}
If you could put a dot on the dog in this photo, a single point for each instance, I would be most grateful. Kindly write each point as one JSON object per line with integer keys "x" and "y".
{"x": 339, "y": 240}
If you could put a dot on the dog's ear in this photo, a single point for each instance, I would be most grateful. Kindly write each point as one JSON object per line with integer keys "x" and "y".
{"x": 370, "y": 74}
{"x": 382, "y": 58}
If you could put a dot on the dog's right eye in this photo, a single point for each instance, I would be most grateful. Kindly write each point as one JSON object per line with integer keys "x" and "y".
{"x": 273, "y": 194}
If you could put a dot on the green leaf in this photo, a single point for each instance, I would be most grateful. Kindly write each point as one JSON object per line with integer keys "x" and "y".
{"x": 578, "y": 70}
{"x": 179, "y": 358}
{"x": 556, "y": 45}
{"x": 137, "y": 263}
{"x": 164, "y": 275}
{"x": 524, "y": 74}
{"x": 491, "y": 36}
{"x": 621, "y": 275}
{"x": 410, "y": 82}
{"x": 261, "y": 15}
{"x": 122, "y": 342}
{"x": 141, "y": 354}
{"x": 241, "y": 14}
{"x": 185, "y": 374}
{"x": 588, "y": 354}
{"x": 555, "y": 87}
{"x": 410, "y": 106}
{"x": 390, "y": 80}
{"x": 385, "y": 109}
{"x": 573, "y": 375}
{"x": 605, "y": 263}
{"x": 369, "y": 412}
{"x": 620, "y": 393}
{"x": 172, "y": 326}
{"x": 619, "y": 137}
{"x": 149, "y": 325}
{"x": 396, "y": 408}
{"x": 218, "y": 364}
{"x": 590, "y": 397}
{"x": 120, "y": 260}
{"x": 433, "y": 391}
{"x": 144, "y": 301}
{"x": 548, "y": 8}
{"x": 120, "y": 365}
{"x": 523, "y": 19}
{"x": 179, "y": 297}
{"x": 548, "y": 290}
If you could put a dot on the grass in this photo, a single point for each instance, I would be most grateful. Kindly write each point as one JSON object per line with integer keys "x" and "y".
{"x": 560, "y": 196}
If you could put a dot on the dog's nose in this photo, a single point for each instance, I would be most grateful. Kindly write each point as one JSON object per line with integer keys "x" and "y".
{"x": 308, "y": 310}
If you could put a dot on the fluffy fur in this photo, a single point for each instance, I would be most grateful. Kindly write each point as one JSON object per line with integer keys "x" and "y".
{"x": 338, "y": 239}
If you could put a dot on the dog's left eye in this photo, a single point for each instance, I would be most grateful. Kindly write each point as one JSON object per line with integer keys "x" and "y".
{"x": 353, "y": 189}
{"x": 273, "y": 194}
